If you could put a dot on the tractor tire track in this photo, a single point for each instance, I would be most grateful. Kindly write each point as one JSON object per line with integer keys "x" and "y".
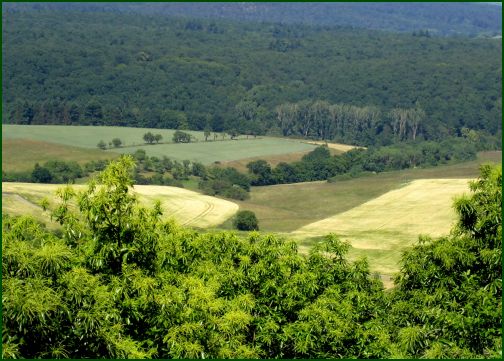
{"x": 209, "y": 207}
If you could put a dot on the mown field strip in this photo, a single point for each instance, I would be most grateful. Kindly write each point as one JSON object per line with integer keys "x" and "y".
{"x": 397, "y": 217}
{"x": 336, "y": 146}
{"x": 186, "y": 207}
{"x": 14, "y": 204}
{"x": 381, "y": 229}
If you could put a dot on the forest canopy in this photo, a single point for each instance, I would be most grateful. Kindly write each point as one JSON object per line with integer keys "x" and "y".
{"x": 453, "y": 18}
{"x": 99, "y": 68}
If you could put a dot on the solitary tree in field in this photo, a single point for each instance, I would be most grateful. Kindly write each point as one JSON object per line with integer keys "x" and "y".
{"x": 116, "y": 142}
{"x": 158, "y": 137}
{"x": 149, "y": 137}
{"x": 246, "y": 221}
{"x": 101, "y": 144}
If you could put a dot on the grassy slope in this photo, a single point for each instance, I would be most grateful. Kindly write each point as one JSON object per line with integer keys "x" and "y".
{"x": 393, "y": 221}
{"x": 274, "y": 160}
{"x": 286, "y": 207}
{"x": 187, "y": 207}
{"x": 19, "y": 155}
{"x": 205, "y": 152}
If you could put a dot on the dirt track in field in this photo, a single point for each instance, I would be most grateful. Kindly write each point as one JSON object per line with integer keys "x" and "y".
{"x": 337, "y": 146}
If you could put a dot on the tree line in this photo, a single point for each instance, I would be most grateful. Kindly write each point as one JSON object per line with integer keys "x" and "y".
{"x": 320, "y": 165}
{"x": 150, "y": 170}
{"x": 440, "y": 18}
{"x": 350, "y": 124}
{"x": 115, "y": 281}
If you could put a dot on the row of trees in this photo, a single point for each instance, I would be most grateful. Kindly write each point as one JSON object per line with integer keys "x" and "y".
{"x": 348, "y": 123}
{"x": 178, "y": 137}
{"x": 116, "y": 143}
{"x": 118, "y": 282}
{"x": 230, "y": 183}
{"x": 320, "y": 165}
{"x": 151, "y": 138}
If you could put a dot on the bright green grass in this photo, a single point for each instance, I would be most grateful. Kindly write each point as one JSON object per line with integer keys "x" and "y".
{"x": 85, "y": 136}
{"x": 201, "y": 151}
{"x": 209, "y": 152}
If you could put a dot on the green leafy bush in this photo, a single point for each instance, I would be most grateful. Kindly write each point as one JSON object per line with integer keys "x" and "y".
{"x": 246, "y": 221}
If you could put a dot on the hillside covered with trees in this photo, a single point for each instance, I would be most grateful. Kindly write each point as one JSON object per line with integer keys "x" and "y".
{"x": 117, "y": 282}
{"x": 336, "y": 83}
{"x": 463, "y": 18}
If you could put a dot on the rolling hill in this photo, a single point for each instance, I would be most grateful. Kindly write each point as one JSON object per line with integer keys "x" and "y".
{"x": 186, "y": 207}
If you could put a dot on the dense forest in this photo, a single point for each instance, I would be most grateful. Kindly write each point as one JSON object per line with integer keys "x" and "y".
{"x": 336, "y": 83}
{"x": 117, "y": 282}
{"x": 439, "y": 18}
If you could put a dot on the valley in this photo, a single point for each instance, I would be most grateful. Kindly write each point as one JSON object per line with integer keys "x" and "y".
{"x": 251, "y": 180}
{"x": 380, "y": 215}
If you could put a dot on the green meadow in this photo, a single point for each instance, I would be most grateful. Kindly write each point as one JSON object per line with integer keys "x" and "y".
{"x": 202, "y": 151}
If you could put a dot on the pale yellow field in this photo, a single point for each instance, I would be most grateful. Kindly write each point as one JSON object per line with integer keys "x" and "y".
{"x": 385, "y": 226}
{"x": 186, "y": 207}
{"x": 336, "y": 146}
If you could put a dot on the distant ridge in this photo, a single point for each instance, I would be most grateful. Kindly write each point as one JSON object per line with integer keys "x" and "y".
{"x": 439, "y": 18}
